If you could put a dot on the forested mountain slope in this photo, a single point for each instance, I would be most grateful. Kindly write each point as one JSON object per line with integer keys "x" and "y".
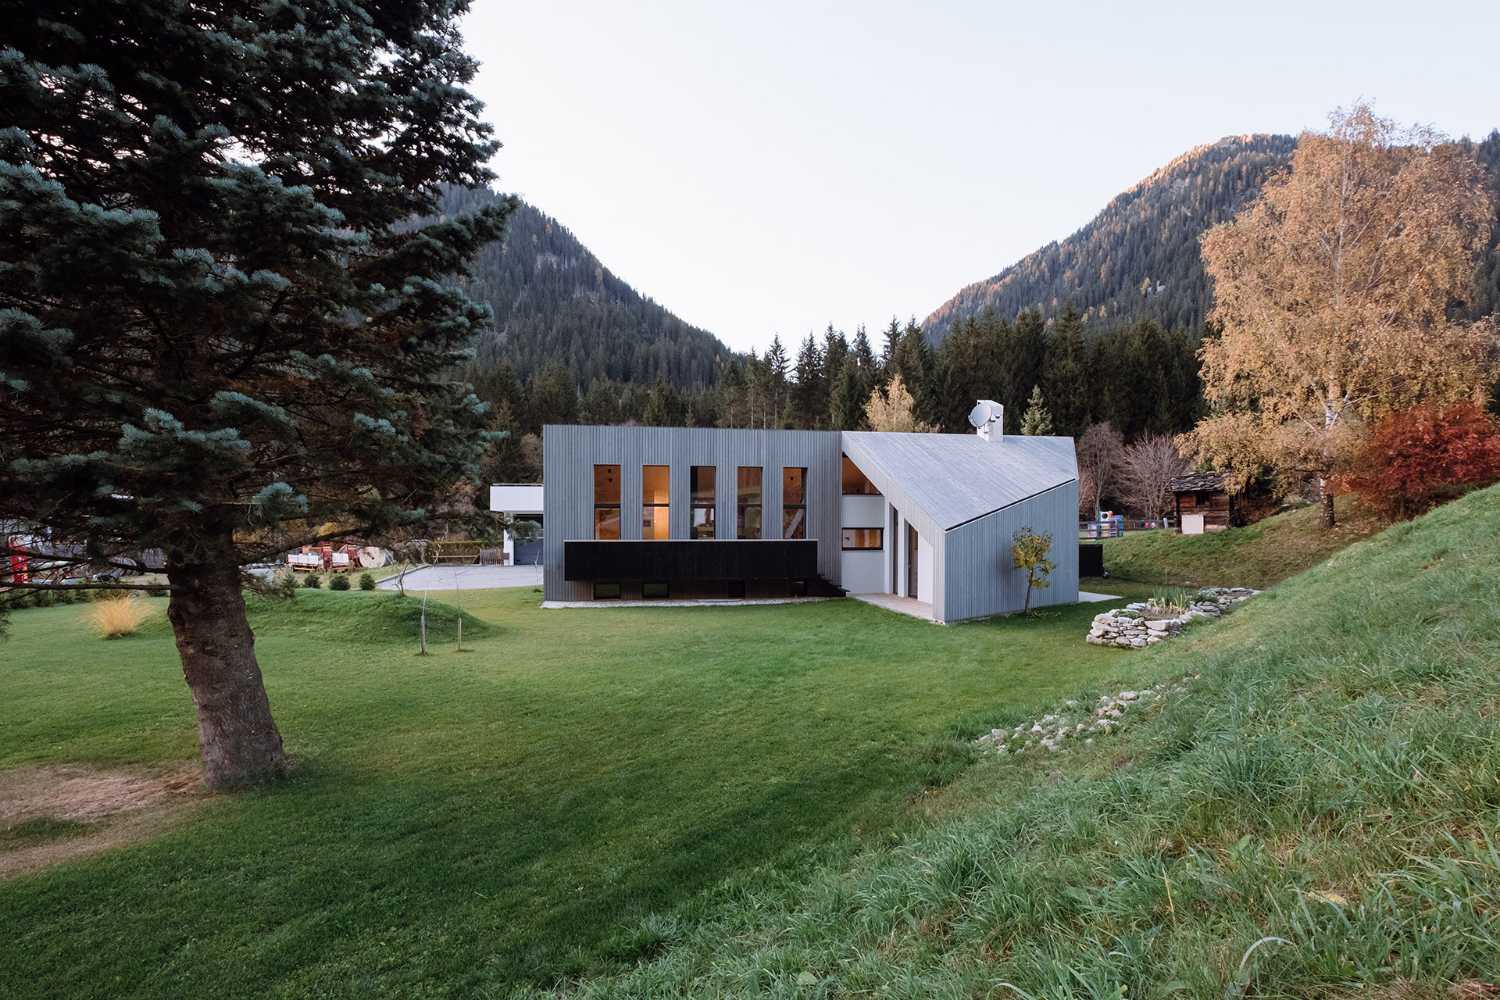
{"x": 555, "y": 303}
{"x": 1137, "y": 259}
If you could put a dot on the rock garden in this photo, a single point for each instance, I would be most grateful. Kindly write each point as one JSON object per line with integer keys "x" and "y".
{"x": 1146, "y": 623}
{"x": 1074, "y": 722}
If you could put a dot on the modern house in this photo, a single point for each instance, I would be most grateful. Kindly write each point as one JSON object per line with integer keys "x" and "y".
{"x": 660, "y": 512}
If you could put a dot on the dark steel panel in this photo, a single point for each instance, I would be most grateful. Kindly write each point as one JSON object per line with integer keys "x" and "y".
{"x": 720, "y": 559}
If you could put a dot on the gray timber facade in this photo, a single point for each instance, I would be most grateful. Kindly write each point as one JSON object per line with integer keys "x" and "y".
{"x": 935, "y": 523}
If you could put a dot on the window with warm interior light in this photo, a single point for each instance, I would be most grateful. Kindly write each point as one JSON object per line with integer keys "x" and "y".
{"x": 747, "y": 502}
{"x": 703, "y": 500}
{"x": 855, "y": 483}
{"x": 860, "y": 539}
{"x": 655, "y": 502}
{"x": 794, "y": 503}
{"x": 607, "y": 501}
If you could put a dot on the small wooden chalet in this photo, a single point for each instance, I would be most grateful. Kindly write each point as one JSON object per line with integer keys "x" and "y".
{"x": 1204, "y": 504}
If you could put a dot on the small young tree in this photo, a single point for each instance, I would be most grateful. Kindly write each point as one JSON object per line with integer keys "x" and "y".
{"x": 1036, "y": 421}
{"x": 1420, "y": 457}
{"x": 894, "y": 410}
{"x": 1147, "y": 469}
{"x": 1029, "y": 551}
{"x": 1100, "y": 451}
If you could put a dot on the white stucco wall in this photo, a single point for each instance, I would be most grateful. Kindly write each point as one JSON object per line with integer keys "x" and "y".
{"x": 512, "y": 498}
{"x": 863, "y": 572}
{"x": 862, "y": 512}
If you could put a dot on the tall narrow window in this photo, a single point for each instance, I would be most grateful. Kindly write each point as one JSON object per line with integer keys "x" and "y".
{"x": 703, "y": 501}
{"x": 607, "y": 501}
{"x": 855, "y": 483}
{"x": 747, "y": 503}
{"x": 793, "y": 503}
{"x": 655, "y": 501}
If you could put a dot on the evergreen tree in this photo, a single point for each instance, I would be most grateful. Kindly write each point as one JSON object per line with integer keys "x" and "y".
{"x": 551, "y": 398}
{"x": 218, "y": 326}
{"x": 888, "y": 351}
{"x": 973, "y": 366}
{"x": 810, "y": 399}
{"x": 847, "y": 405}
{"x": 1037, "y": 422}
{"x": 1067, "y": 375}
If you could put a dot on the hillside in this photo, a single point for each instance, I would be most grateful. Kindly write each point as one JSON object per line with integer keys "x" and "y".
{"x": 1139, "y": 257}
{"x": 556, "y": 303}
{"x": 1257, "y": 555}
{"x": 1309, "y": 811}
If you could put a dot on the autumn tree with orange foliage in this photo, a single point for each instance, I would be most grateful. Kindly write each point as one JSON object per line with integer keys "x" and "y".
{"x": 1420, "y": 457}
{"x": 1333, "y": 291}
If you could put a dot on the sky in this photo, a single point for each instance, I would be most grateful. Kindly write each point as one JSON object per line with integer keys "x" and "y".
{"x": 775, "y": 167}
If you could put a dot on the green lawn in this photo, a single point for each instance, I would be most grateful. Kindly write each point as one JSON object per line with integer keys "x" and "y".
{"x": 1315, "y": 815}
{"x": 466, "y": 822}
{"x": 1258, "y": 555}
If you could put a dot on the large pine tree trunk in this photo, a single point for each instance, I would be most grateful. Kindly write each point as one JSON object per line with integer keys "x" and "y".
{"x": 239, "y": 740}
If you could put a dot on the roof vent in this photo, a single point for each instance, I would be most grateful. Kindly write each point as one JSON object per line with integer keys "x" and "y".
{"x": 988, "y": 419}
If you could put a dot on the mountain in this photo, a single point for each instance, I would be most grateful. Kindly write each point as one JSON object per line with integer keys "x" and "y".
{"x": 556, "y": 304}
{"x": 1137, "y": 259}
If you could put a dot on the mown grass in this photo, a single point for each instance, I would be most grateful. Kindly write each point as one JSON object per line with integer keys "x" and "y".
{"x": 1318, "y": 816}
{"x": 1258, "y": 555}
{"x": 536, "y": 809}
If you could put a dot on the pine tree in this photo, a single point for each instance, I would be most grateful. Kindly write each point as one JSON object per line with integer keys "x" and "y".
{"x": 810, "y": 397}
{"x": 1067, "y": 375}
{"x": 218, "y": 325}
{"x": 1037, "y": 422}
{"x": 847, "y": 405}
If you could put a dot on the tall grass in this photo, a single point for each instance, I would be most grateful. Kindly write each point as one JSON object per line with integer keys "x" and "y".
{"x": 114, "y": 617}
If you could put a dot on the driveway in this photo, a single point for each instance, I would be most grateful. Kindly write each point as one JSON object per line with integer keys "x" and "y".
{"x": 468, "y": 578}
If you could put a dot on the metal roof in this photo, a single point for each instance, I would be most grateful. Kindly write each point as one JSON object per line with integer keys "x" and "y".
{"x": 1198, "y": 482}
{"x": 955, "y": 478}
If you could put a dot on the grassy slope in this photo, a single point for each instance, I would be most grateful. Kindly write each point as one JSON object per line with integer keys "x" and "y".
{"x": 1330, "y": 780}
{"x": 466, "y": 822}
{"x": 1256, "y": 556}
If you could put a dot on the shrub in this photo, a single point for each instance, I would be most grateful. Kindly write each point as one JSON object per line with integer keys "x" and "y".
{"x": 339, "y": 581}
{"x": 366, "y": 581}
{"x": 117, "y": 616}
{"x": 312, "y": 581}
{"x": 1421, "y": 457}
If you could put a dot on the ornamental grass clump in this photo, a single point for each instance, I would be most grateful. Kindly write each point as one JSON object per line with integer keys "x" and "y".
{"x": 116, "y": 617}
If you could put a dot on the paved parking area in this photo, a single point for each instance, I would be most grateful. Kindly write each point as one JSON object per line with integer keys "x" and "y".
{"x": 468, "y": 578}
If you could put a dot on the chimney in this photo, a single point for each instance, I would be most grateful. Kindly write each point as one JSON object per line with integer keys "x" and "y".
{"x": 988, "y": 419}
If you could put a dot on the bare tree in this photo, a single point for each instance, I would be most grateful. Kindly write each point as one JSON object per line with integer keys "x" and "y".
{"x": 1147, "y": 469}
{"x": 1100, "y": 452}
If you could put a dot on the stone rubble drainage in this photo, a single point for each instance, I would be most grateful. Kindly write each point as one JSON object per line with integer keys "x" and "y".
{"x": 1130, "y": 628}
{"x": 1073, "y": 722}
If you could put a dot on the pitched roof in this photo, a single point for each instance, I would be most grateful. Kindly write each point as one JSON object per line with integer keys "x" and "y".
{"x": 1195, "y": 482}
{"x": 955, "y": 478}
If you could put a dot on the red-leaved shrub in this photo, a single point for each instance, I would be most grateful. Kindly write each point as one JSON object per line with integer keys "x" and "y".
{"x": 1420, "y": 457}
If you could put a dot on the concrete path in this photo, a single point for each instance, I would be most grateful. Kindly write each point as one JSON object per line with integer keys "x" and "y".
{"x": 901, "y": 605}
{"x": 468, "y": 578}
{"x": 1088, "y": 597}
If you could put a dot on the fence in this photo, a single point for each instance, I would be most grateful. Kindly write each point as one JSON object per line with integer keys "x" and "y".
{"x": 1114, "y": 527}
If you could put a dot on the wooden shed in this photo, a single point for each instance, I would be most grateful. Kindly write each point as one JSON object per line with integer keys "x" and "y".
{"x": 1204, "y": 504}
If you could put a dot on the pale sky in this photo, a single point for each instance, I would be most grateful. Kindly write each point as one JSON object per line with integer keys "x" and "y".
{"x": 773, "y": 167}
